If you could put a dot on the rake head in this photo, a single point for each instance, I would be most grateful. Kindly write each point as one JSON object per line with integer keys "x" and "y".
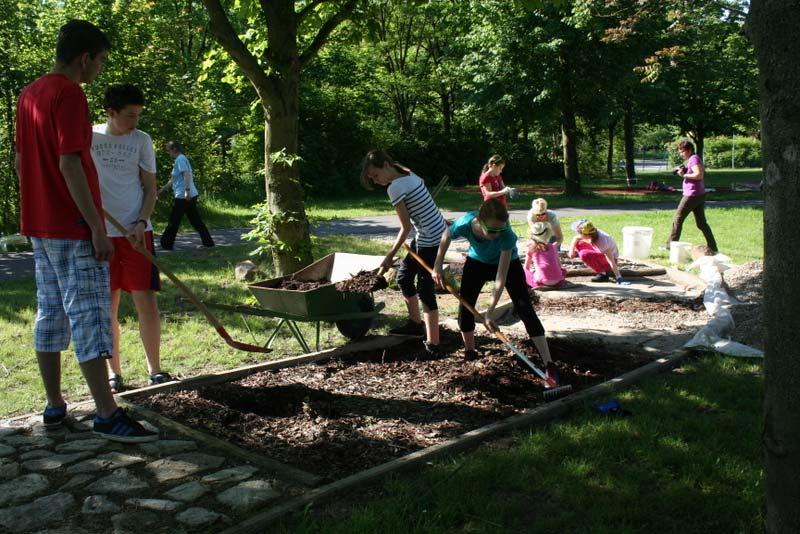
{"x": 552, "y": 394}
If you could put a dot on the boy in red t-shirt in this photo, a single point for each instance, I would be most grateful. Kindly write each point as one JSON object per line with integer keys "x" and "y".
{"x": 60, "y": 209}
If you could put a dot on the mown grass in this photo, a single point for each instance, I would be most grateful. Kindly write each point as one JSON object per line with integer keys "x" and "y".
{"x": 689, "y": 459}
{"x": 189, "y": 344}
{"x": 237, "y": 210}
{"x": 361, "y": 203}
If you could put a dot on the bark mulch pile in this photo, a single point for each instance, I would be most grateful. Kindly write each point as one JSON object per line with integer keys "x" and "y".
{"x": 363, "y": 282}
{"x": 343, "y": 416}
{"x": 299, "y": 285}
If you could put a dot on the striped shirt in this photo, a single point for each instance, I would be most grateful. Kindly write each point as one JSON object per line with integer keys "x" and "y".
{"x": 425, "y": 216}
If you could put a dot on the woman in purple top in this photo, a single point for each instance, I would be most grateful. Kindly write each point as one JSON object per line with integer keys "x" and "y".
{"x": 694, "y": 196}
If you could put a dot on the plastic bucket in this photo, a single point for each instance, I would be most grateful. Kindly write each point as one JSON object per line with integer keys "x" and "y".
{"x": 680, "y": 252}
{"x": 636, "y": 242}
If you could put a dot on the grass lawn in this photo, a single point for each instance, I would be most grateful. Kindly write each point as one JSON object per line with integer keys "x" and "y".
{"x": 689, "y": 459}
{"x": 218, "y": 212}
{"x": 189, "y": 345}
{"x": 363, "y": 203}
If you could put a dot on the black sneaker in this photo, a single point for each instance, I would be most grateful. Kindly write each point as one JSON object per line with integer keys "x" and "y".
{"x": 409, "y": 329}
{"x": 120, "y": 427}
{"x": 431, "y": 352}
{"x": 161, "y": 378}
{"x": 54, "y": 415}
{"x": 602, "y": 277}
{"x": 471, "y": 355}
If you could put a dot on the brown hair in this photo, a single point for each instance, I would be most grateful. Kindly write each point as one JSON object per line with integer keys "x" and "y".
{"x": 378, "y": 158}
{"x": 497, "y": 159}
{"x": 493, "y": 209}
{"x": 687, "y": 145}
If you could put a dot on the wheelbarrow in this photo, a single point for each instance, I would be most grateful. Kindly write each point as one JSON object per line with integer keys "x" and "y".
{"x": 353, "y": 313}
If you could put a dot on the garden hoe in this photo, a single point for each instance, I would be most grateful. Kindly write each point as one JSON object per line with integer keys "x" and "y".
{"x": 186, "y": 291}
{"x": 549, "y": 394}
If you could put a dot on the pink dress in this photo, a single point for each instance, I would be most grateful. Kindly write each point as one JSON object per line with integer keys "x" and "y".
{"x": 548, "y": 270}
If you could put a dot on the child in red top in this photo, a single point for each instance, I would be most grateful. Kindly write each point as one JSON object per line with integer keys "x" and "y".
{"x": 491, "y": 181}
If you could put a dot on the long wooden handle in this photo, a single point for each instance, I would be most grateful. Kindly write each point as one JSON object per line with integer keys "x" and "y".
{"x": 185, "y": 289}
{"x": 453, "y": 291}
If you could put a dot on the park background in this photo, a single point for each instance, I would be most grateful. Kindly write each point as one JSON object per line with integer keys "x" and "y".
{"x": 573, "y": 94}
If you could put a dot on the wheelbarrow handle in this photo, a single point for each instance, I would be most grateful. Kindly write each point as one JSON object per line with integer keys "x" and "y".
{"x": 185, "y": 289}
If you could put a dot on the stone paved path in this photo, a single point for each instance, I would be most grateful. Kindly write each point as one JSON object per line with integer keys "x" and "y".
{"x": 68, "y": 480}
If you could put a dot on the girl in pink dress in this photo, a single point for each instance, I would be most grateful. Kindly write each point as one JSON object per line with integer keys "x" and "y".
{"x": 543, "y": 255}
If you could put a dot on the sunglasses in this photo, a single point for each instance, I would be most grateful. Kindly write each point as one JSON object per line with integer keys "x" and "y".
{"x": 493, "y": 229}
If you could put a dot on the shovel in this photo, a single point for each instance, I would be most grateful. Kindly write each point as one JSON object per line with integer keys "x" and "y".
{"x": 548, "y": 394}
{"x": 186, "y": 291}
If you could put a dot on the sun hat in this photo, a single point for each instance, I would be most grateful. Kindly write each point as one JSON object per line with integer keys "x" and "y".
{"x": 539, "y": 206}
{"x": 542, "y": 232}
{"x": 583, "y": 226}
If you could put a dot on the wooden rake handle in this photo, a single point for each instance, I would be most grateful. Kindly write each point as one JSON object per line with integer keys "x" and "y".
{"x": 185, "y": 290}
{"x": 453, "y": 291}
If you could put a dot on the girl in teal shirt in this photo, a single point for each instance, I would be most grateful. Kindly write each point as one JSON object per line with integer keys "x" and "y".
{"x": 492, "y": 256}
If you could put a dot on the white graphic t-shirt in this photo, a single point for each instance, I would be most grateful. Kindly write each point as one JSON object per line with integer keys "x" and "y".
{"x": 118, "y": 159}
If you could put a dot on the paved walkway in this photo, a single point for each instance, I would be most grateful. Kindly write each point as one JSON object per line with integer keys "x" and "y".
{"x": 70, "y": 479}
{"x": 20, "y": 264}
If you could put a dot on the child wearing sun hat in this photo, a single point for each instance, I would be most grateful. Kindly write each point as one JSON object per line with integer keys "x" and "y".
{"x": 540, "y": 213}
{"x": 543, "y": 255}
{"x": 597, "y": 250}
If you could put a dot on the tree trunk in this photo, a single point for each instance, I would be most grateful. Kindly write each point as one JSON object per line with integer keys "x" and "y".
{"x": 282, "y": 184}
{"x": 698, "y": 138}
{"x": 630, "y": 164}
{"x": 772, "y": 27}
{"x": 569, "y": 131}
{"x": 610, "y": 155}
{"x": 447, "y": 112}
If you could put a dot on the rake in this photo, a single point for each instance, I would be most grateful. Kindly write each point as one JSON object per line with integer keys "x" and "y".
{"x": 549, "y": 394}
{"x": 186, "y": 291}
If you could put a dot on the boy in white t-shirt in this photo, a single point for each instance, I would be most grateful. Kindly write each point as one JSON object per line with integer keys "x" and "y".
{"x": 126, "y": 165}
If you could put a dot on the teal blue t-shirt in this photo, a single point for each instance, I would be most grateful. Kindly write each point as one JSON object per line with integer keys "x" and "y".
{"x": 484, "y": 250}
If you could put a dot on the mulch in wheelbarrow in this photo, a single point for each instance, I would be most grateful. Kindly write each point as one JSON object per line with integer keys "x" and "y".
{"x": 343, "y": 416}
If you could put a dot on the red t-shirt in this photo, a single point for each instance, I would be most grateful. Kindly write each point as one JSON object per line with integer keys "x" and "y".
{"x": 492, "y": 183}
{"x": 53, "y": 119}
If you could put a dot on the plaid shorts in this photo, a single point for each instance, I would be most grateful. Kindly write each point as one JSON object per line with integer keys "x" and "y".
{"x": 73, "y": 295}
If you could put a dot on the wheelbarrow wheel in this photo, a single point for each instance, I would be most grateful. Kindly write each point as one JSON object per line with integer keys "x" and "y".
{"x": 358, "y": 328}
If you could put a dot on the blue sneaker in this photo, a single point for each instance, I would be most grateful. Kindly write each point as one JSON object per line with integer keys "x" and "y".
{"x": 121, "y": 428}
{"x": 54, "y": 415}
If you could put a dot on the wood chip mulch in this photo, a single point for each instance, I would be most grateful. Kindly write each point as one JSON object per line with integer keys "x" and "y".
{"x": 343, "y": 416}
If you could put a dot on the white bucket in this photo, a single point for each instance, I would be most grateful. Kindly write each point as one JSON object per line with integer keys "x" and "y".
{"x": 680, "y": 252}
{"x": 636, "y": 242}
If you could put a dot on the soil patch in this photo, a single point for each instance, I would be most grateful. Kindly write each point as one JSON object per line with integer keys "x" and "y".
{"x": 343, "y": 416}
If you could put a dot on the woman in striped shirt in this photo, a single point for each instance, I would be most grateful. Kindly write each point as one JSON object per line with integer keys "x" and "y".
{"x": 415, "y": 208}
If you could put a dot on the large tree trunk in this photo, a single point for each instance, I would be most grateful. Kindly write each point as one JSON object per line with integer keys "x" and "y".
{"x": 569, "y": 131}
{"x": 283, "y": 188}
{"x": 630, "y": 165}
{"x": 772, "y": 27}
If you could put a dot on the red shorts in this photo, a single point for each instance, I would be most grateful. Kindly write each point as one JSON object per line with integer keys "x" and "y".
{"x": 130, "y": 270}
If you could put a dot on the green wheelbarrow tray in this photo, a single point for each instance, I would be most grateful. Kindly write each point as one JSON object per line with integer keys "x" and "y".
{"x": 325, "y": 299}
{"x": 353, "y": 313}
